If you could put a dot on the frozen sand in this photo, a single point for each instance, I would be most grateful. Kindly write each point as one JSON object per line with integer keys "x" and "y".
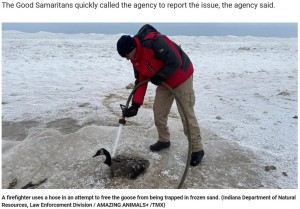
{"x": 66, "y": 160}
{"x": 63, "y": 152}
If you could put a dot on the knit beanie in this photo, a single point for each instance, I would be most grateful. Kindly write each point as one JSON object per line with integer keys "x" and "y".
{"x": 125, "y": 45}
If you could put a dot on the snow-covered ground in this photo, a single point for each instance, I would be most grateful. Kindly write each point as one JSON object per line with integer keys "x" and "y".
{"x": 60, "y": 104}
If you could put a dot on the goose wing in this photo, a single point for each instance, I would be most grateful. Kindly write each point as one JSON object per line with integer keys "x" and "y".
{"x": 128, "y": 167}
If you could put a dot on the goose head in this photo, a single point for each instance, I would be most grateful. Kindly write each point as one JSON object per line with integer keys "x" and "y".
{"x": 104, "y": 152}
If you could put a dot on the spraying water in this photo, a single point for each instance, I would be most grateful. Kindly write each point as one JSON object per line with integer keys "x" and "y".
{"x": 117, "y": 140}
{"x": 122, "y": 122}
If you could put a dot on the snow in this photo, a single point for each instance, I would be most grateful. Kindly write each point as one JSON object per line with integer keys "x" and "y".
{"x": 60, "y": 104}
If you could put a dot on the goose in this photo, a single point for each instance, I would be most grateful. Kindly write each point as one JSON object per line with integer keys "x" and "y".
{"x": 122, "y": 166}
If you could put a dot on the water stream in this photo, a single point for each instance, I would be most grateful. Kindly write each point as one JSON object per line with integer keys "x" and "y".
{"x": 117, "y": 140}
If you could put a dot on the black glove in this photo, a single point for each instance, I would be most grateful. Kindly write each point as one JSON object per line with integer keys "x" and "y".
{"x": 131, "y": 111}
{"x": 156, "y": 80}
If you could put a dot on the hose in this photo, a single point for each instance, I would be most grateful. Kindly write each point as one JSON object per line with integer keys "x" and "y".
{"x": 186, "y": 120}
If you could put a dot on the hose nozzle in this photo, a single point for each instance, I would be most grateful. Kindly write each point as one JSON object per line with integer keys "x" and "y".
{"x": 122, "y": 119}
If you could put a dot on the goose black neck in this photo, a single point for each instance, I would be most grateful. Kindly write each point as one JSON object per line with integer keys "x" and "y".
{"x": 108, "y": 157}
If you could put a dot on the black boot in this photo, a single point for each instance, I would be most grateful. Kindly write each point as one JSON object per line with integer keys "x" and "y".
{"x": 196, "y": 158}
{"x": 159, "y": 146}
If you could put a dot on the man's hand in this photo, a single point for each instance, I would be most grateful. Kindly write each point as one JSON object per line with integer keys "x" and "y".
{"x": 131, "y": 111}
{"x": 156, "y": 80}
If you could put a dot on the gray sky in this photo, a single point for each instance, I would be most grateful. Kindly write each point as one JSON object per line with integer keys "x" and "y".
{"x": 195, "y": 29}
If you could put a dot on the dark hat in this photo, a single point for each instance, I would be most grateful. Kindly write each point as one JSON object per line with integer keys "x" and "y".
{"x": 125, "y": 45}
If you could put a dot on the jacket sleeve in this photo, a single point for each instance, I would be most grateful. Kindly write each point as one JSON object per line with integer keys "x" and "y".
{"x": 166, "y": 51}
{"x": 139, "y": 95}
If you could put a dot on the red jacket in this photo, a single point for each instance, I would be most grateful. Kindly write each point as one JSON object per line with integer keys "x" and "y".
{"x": 157, "y": 54}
